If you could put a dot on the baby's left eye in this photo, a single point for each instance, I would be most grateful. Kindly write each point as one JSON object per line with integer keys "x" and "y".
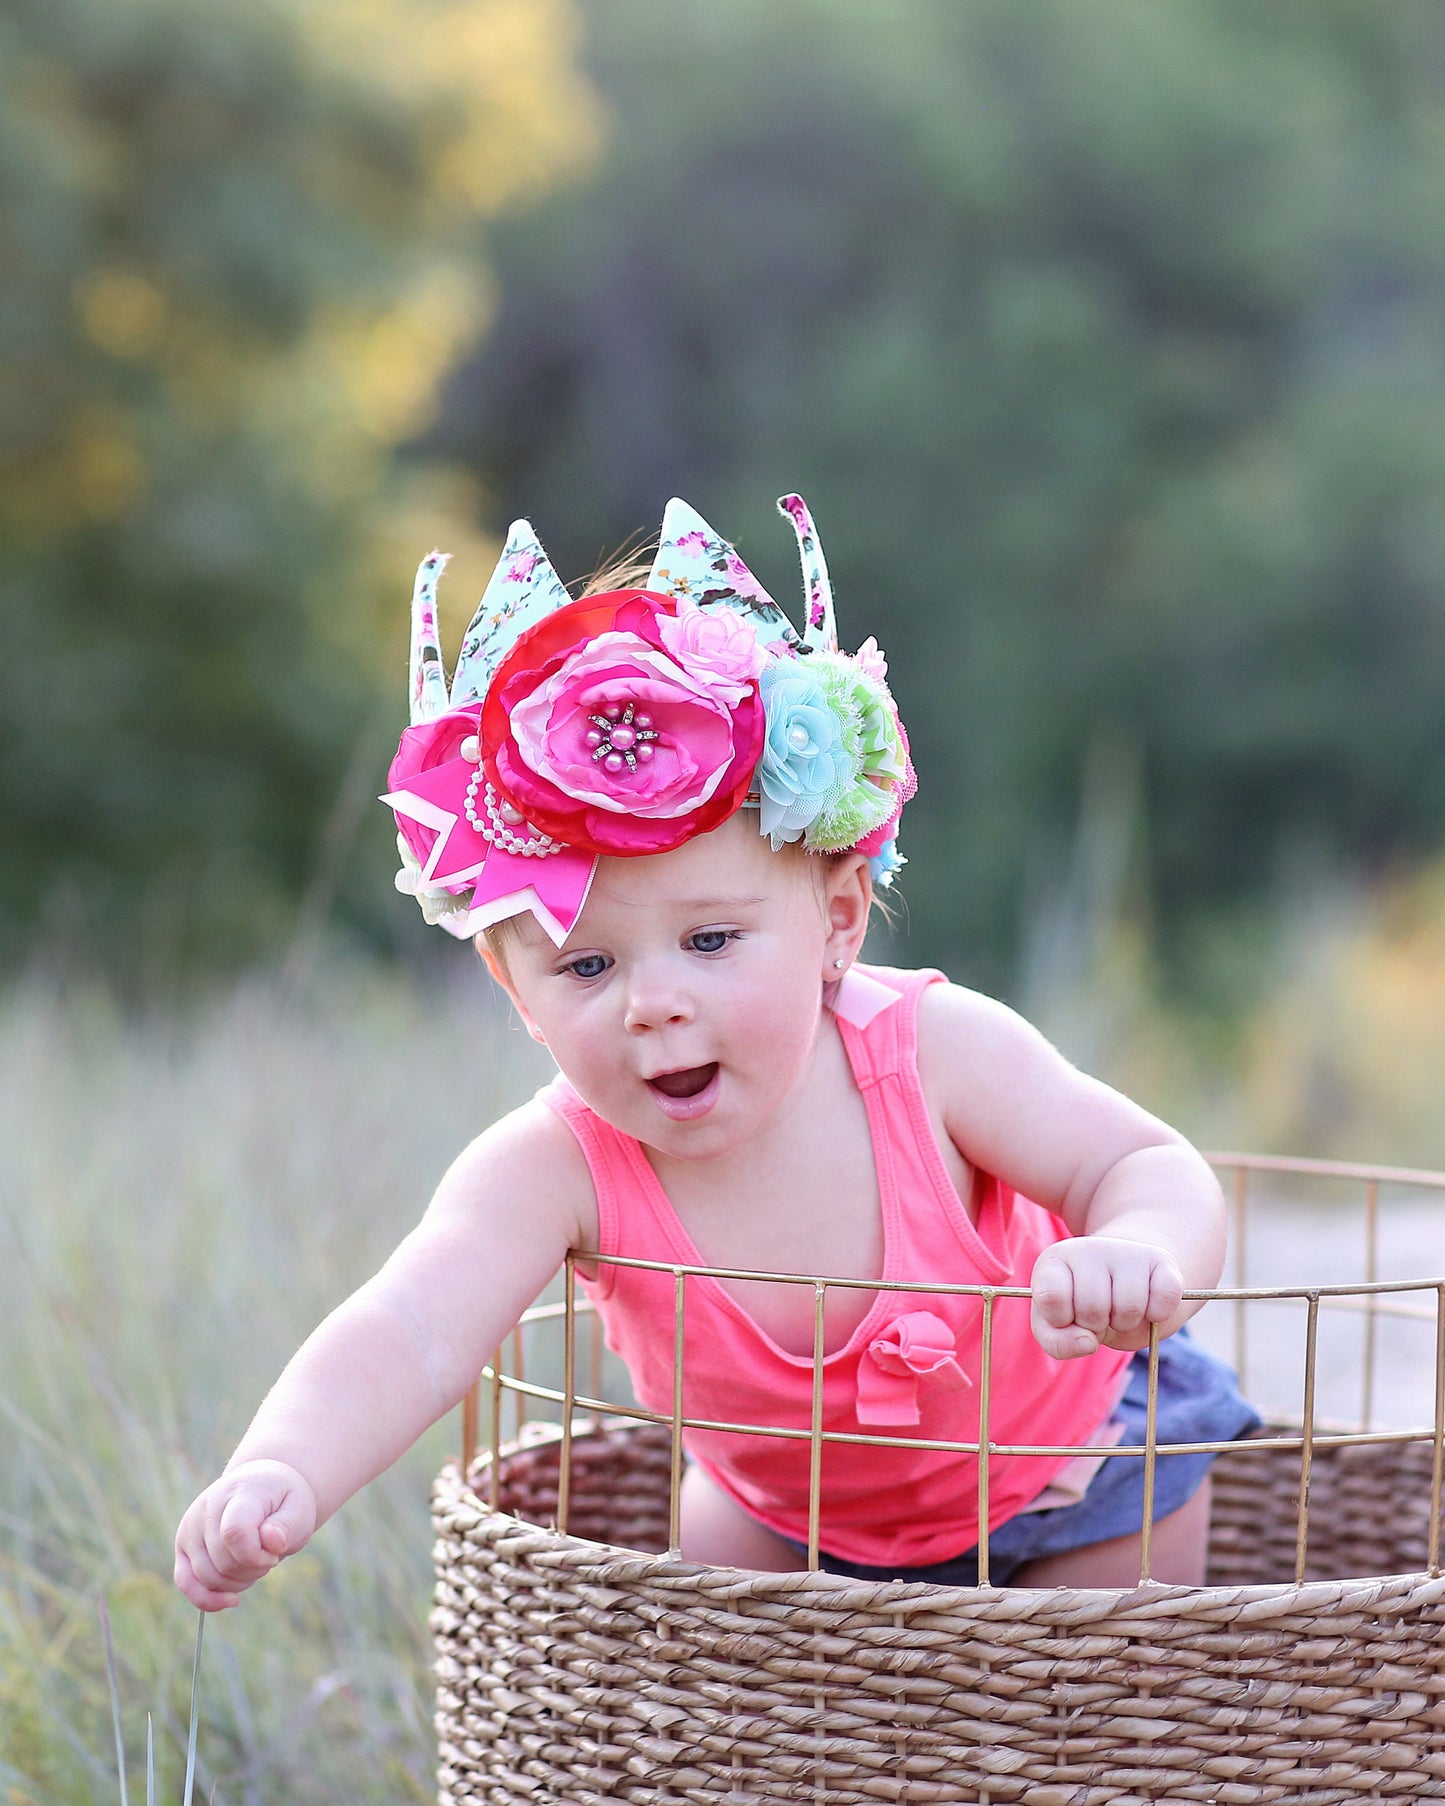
{"x": 588, "y": 965}
{"x": 710, "y": 940}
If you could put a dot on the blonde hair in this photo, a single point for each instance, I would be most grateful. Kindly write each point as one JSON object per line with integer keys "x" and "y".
{"x": 628, "y": 567}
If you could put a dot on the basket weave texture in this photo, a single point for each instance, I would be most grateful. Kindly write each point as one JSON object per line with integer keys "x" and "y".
{"x": 573, "y": 1670}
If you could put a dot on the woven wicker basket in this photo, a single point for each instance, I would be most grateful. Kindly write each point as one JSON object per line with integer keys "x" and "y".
{"x": 592, "y": 1666}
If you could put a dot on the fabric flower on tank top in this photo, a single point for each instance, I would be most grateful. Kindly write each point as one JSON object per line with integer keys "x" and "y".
{"x": 916, "y": 1349}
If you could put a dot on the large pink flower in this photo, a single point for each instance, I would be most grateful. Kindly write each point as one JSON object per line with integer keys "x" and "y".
{"x": 616, "y": 729}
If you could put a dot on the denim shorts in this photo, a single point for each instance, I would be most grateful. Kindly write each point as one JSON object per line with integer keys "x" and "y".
{"x": 1199, "y": 1401}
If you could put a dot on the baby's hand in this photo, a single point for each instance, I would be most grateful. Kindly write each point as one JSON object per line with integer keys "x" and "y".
{"x": 1095, "y": 1289}
{"x": 239, "y": 1528}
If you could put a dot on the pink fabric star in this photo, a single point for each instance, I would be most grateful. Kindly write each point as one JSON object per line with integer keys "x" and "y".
{"x": 429, "y": 803}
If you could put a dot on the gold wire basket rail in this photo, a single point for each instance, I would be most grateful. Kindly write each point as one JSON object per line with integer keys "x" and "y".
{"x": 581, "y": 1659}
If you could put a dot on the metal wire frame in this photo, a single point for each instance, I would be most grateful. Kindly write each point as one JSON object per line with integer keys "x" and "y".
{"x": 1373, "y": 1297}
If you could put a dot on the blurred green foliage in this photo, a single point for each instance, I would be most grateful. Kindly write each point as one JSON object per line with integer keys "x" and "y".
{"x": 239, "y": 248}
{"x": 1104, "y": 341}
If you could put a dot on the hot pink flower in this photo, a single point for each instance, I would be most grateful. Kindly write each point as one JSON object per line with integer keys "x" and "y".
{"x": 918, "y": 1343}
{"x": 427, "y": 750}
{"x": 609, "y": 739}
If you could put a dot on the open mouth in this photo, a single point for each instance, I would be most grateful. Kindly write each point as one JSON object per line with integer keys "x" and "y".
{"x": 687, "y": 1083}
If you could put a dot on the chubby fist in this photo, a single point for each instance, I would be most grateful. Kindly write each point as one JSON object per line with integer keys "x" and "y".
{"x": 239, "y": 1528}
{"x": 1098, "y": 1290}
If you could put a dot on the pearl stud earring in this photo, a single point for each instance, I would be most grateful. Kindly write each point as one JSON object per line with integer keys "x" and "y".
{"x": 838, "y": 964}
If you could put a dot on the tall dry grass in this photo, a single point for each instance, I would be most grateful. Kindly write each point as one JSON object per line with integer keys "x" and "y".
{"x": 181, "y": 1198}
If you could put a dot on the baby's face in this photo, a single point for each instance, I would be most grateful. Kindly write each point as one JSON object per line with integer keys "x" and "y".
{"x": 685, "y": 1006}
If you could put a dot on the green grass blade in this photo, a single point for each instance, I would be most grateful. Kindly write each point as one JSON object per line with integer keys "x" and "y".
{"x": 195, "y": 1711}
{"x": 114, "y": 1699}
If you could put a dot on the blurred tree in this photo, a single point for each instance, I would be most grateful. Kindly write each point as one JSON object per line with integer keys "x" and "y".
{"x": 1105, "y": 343}
{"x": 237, "y": 251}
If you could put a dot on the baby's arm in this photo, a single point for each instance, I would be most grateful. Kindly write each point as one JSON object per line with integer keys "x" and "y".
{"x": 397, "y": 1355}
{"x": 1146, "y": 1212}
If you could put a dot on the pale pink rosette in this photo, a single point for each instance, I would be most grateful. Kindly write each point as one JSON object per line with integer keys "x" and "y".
{"x": 715, "y": 643}
{"x": 617, "y": 726}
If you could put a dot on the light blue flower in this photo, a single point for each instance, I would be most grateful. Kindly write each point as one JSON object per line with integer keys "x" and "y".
{"x": 805, "y": 764}
{"x": 886, "y": 862}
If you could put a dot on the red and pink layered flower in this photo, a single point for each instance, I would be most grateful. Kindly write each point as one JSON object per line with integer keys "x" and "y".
{"x": 620, "y": 724}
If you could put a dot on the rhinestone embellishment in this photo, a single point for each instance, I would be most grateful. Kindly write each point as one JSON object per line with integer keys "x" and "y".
{"x": 621, "y": 737}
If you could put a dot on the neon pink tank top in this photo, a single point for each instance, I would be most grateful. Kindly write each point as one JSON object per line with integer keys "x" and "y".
{"x": 910, "y": 1369}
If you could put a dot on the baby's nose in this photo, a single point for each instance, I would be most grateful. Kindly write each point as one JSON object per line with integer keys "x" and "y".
{"x": 655, "y": 999}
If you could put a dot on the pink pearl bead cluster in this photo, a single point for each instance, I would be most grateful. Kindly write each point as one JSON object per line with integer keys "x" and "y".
{"x": 620, "y": 737}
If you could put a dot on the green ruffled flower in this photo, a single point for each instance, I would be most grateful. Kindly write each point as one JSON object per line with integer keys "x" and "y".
{"x": 868, "y": 726}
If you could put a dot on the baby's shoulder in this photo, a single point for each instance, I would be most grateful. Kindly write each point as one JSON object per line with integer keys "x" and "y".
{"x": 953, "y": 1010}
{"x": 966, "y": 1036}
{"x": 943, "y": 1006}
{"x": 533, "y": 1159}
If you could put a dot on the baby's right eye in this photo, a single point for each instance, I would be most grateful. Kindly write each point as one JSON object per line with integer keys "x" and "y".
{"x": 588, "y": 965}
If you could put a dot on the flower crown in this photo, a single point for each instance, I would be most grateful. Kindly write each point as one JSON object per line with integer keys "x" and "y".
{"x": 627, "y": 723}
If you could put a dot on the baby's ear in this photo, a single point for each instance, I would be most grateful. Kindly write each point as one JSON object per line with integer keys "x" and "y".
{"x": 490, "y": 960}
{"x": 497, "y": 966}
{"x": 849, "y": 895}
